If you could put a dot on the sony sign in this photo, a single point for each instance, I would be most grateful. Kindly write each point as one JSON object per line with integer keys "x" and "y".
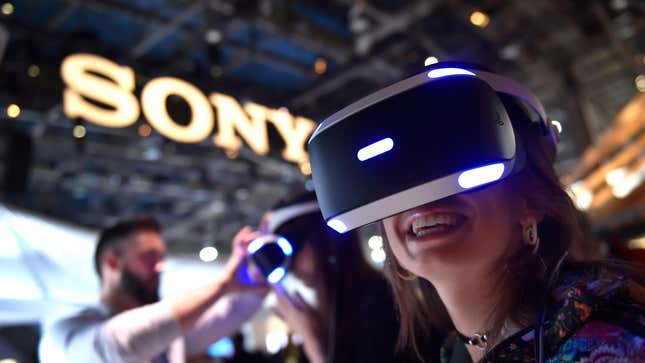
{"x": 88, "y": 76}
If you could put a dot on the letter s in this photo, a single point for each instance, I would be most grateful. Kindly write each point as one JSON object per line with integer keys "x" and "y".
{"x": 77, "y": 72}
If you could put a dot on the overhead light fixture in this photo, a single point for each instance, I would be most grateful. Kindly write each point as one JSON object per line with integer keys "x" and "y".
{"x": 33, "y": 71}
{"x": 479, "y": 18}
{"x": 375, "y": 242}
{"x": 619, "y": 5}
{"x": 640, "y": 82}
{"x": 79, "y": 131}
{"x": 510, "y": 52}
{"x": 628, "y": 184}
{"x": 320, "y": 65}
{"x": 151, "y": 153}
{"x": 582, "y": 196}
{"x": 13, "y": 110}
{"x": 378, "y": 255}
{"x": 7, "y": 8}
{"x": 208, "y": 254}
{"x": 430, "y": 61}
{"x": 213, "y": 36}
{"x": 145, "y": 130}
{"x": 615, "y": 176}
{"x": 276, "y": 340}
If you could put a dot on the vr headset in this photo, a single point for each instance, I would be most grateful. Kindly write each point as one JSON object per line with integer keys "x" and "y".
{"x": 439, "y": 133}
{"x": 271, "y": 253}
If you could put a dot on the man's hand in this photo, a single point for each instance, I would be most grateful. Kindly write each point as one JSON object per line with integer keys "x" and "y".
{"x": 235, "y": 278}
{"x": 238, "y": 275}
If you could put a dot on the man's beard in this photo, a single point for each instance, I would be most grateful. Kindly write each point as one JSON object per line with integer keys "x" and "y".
{"x": 137, "y": 289}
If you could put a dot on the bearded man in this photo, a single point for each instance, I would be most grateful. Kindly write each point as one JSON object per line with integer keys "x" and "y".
{"x": 132, "y": 324}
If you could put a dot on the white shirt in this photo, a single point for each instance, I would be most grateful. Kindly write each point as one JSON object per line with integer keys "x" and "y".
{"x": 148, "y": 334}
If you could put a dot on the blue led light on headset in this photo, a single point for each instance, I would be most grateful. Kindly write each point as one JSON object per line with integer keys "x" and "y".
{"x": 271, "y": 254}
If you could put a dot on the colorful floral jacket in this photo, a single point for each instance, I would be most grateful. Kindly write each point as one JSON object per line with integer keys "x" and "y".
{"x": 599, "y": 318}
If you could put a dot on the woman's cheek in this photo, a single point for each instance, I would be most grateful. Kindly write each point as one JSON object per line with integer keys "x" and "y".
{"x": 396, "y": 244}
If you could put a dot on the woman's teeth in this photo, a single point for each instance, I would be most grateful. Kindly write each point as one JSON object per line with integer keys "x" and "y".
{"x": 433, "y": 223}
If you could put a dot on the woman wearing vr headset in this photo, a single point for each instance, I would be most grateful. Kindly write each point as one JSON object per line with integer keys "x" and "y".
{"x": 353, "y": 319}
{"x": 457, "y": 165}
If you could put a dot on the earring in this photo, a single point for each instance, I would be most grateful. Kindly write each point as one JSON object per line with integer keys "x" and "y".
{"x": 530, "y": 234}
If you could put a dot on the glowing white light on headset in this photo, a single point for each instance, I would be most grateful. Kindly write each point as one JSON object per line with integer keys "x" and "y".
{"x": 444, "y": 72}
{"x": 285, "y": 245}
{"x": 276, "y": 275}
{"x": 337, "y": 225}
{"x": 255, "y": 245}
{"x": 482, "y": 175}
{"x": 375, "y": 149}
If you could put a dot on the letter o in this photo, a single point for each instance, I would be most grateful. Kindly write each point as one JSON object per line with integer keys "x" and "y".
{"x": 153, "y": 102}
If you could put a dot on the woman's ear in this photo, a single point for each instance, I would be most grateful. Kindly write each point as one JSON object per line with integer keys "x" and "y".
{"x": 526, "y": 211}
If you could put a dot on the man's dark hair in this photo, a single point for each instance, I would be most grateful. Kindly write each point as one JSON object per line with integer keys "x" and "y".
{"x": 122, "y": 231}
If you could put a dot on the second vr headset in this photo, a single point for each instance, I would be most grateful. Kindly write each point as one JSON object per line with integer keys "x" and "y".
{"x": 271, "y": 253}
{"x": 430, "y": 136}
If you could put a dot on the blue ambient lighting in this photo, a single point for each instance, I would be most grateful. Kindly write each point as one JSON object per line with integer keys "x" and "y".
{"x": 375, "y": 149}
{"x": 222, "y": 348}
{"x": 482, "y": 175}
{"x": 444, "y": 72}
{"x": 276, "y": 275}
{"x": 255, "y": 245}
{"x": 285, "y": 245}
{"x": 337, "y": 225}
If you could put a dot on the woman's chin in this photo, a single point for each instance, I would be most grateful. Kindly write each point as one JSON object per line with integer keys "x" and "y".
{"x": 433, "y": 264}
{"x": 443, "y": 260}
